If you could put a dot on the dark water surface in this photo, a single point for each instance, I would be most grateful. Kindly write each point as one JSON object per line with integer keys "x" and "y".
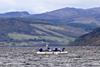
{"x": 85, "y": 56}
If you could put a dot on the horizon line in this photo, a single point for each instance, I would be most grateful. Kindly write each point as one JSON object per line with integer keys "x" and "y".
{"x": 46, "y": 11}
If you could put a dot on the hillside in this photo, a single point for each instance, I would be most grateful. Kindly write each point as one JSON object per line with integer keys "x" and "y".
{"x": 19, "y": 30}
{"x": 75, "y": 17}
{"x": 70, "y": 14}
{"x": 86, "y": 19}
{"x": 14, "y": 14}
{"x": 92, "y": 38}
{"x": 59, "y": 27}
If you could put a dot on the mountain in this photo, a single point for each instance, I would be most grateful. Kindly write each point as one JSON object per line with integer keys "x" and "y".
{"x": 14, "y": 14}
{"x": 59, "y": 27}
{"x": 69, "y": 14}
{"x": 75, "y": 17}
{"x": 92, "y": 38}
{"x": 22, "y": 32}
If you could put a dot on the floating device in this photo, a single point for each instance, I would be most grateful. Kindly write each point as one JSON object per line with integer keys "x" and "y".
{"x": 48, "y": 51}
{"x": 51, "y": 53}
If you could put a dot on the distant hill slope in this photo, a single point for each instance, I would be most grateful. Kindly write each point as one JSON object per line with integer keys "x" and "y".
{"x": 70, "y": 14}
{"x": 73, "y": 17}
{"x": 87, "y": 19}
{"x": 34, "y": 33}
{"x": 14, "y": 14}
{"x": 92, "y": 38}
{"x": 58, "y": 27}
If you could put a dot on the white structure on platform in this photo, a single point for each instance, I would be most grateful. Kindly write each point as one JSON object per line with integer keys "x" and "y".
{"x": 48, "y": 51}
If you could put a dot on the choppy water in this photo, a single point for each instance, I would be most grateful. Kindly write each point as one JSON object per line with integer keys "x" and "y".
{"x": 23, "y": 57}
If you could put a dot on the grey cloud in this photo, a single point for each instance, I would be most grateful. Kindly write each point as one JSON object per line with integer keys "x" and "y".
{"x": 39, "y": 6}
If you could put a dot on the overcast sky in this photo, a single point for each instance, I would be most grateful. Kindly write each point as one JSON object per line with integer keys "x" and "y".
{"x": 40, "y": 6}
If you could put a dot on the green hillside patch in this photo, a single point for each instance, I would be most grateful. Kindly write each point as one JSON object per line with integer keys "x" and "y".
{"x": 17, "y": 36}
